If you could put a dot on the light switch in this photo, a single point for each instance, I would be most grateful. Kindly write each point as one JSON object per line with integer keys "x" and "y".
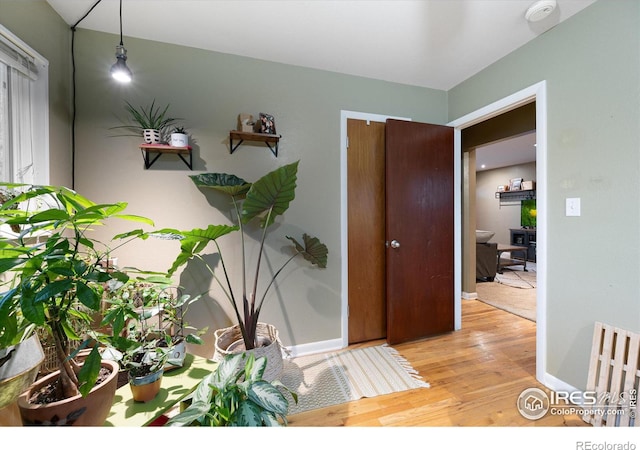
{"x": 572, "y": 207}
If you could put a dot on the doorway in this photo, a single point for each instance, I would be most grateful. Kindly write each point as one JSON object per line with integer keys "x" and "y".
{"x": 533, "y": 93}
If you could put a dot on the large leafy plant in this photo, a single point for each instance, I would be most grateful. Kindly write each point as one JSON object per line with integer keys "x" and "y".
{"x": 52, "y": 276}
{"x": 235, "y": 394}
{"x": 261, "y": 201}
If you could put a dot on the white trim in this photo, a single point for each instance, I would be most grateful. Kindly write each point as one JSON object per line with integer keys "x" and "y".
{"x": 469, "y": 295}
{"x": 313, "y": 347}
{"x": 537, "y": 92}
{"x": 344, "y": 242}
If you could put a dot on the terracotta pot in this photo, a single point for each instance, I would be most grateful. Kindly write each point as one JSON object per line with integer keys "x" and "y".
{"x": 145, "y": 388}
{"x": 91, "y": 410}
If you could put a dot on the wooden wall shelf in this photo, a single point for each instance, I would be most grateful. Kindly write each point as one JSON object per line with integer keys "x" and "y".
{"x": 159, "y": 149}
{"x": 241, "y": 136}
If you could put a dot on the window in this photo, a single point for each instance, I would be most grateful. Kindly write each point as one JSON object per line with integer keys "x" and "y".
{"x": 24, "y": 112}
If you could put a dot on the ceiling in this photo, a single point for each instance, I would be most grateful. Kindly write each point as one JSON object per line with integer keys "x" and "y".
{"x": 429, "y": 43}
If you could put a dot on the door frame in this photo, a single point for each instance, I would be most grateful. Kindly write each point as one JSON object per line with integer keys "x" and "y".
{"x": 537, "y": 93}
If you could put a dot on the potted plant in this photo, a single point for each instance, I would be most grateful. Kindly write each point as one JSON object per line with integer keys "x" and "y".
{"x": 261, "y": 201}
{"x": 54, "y": 282}
{"x": 151, "y": 122}
{"x": 179, "y": 137}
{"x": 145, "y": 364}
{"x": 148, "y": 308}
{"x": 236, "y": 394}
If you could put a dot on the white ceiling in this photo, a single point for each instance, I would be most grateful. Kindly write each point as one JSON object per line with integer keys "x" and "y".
{"x": 430, "y": 43}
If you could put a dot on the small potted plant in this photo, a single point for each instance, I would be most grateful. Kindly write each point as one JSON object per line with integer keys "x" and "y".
{"x": 179, "y": 137}
{"x": 145, "y": 364}
{"x": 236, "y": 394}
{"x": 151, "y": 123}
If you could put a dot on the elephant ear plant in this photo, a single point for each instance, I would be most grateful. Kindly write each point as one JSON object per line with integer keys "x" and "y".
{"x": 51, "y": 274}
{"x": 263, "y": 201}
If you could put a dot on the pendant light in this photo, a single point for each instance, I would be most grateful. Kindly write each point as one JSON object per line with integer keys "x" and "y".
{"x": 119, "y": 70}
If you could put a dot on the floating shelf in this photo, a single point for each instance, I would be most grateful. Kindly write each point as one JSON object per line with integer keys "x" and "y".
{"x": 241, "y": 136}
{"x": 515, "y": 196}
{"x": 159, "y": 149}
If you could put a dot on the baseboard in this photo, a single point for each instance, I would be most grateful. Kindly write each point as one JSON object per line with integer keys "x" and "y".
{"x": 313, "y": 347}
{"x": 469, "y": 295}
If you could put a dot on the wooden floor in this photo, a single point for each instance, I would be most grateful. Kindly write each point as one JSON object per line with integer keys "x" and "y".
{"x": 476, "y": 375}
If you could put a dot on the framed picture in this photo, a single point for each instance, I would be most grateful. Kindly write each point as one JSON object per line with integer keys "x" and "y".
{"x": 267, "y": 124}
{"x": 515, "y": 184}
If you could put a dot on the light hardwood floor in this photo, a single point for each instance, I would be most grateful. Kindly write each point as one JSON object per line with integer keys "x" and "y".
{"x": 476, "y": 375}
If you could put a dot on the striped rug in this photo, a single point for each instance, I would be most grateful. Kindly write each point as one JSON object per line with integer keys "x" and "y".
{"x": 332, "y": 378}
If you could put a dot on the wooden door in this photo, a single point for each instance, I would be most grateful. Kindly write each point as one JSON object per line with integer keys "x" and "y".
{"x": 366, "y": 236}
{"x": 419, "y": 230}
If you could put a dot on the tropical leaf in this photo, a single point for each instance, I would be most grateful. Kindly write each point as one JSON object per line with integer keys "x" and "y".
{"x": 270, "y": 195}
{"x": 223, "y": 182}
{"x": 313, "y": 250}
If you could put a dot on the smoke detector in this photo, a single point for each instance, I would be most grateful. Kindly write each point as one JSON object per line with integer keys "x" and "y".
{"x": 539, "y": 10}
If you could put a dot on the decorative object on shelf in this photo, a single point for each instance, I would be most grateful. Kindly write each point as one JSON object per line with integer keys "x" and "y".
{"x": 515, "y": 184}
{"x": 179, "y": 137}
{"x": 528, "y": 185}
{"x": 241, "y": 136}
{"x": 151, "y": 123}
{"x": 267, "y": 124}
{"x": 263, "y": 200}
{"x": 159, "y": 149}
{"x": 246, "y": 123}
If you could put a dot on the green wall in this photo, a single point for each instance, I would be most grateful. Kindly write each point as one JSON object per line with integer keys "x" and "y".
{"x": 208, "y": 90}
{"x": 591, "y": 63}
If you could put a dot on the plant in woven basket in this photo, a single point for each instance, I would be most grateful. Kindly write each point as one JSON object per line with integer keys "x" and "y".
{"x": 260, "y": 201}
{"x": 236, "y": 394}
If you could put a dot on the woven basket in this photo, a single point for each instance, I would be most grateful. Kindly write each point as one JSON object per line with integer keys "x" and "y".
{"x": 229, "y": 341}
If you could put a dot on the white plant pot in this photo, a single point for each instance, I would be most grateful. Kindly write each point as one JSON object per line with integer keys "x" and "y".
{"x": 179, "y": 140}
{"x": 151, "y": 136}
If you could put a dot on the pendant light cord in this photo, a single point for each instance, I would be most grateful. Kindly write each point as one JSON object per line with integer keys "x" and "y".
{"x": 121, "y": 43}
{"x": 73, "y": 90}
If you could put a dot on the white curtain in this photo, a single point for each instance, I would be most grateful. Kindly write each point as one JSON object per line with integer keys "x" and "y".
{"x": 21, "y": 128}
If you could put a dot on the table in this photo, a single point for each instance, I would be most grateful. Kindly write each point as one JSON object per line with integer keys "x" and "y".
{"x": 176, "y": 384}
{"x": 511, "y": 261}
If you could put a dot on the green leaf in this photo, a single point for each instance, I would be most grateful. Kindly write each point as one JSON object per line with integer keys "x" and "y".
{"x": 87, "y": 296}
{"x": 248, "y": 415}
{"x": 270, "y": 195}
{"x": 313, "y": 250}
{"x": 190, "y": 415}
{"x": 223, "y": 182}
{"x": 53, "y": 289}
{"x": 89, "y": 372}
{"x": 268, "y": 397}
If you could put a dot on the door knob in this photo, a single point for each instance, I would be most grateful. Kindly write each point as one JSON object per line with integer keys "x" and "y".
{"x": 395, "y": 244}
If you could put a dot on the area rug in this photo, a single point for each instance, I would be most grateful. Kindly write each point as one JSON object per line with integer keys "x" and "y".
{"x": 329, "y": 379}
{"x": 521, "y": 302}
{"x": 517, "y": 278}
